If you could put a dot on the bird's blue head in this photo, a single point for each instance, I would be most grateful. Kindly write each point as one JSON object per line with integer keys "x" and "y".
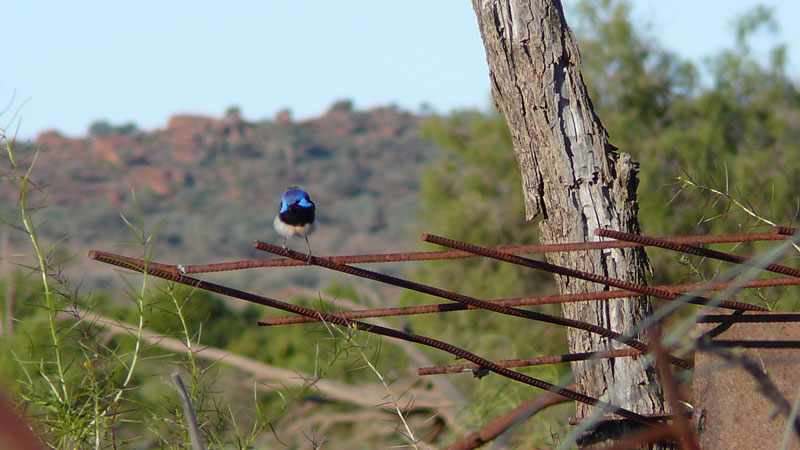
{"x": 295, "y": 196}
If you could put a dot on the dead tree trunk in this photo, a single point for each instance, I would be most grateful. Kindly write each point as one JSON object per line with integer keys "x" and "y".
{"x": 572, "y": 178}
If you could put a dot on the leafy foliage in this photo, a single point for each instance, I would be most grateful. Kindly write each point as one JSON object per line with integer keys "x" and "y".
{"x": 730, "y": 134}
{"x": 700, "y": 146}
{"x": 473, "y": 194}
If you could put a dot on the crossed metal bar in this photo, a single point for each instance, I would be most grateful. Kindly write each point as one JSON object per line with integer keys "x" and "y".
{"x": 509, "y": 254}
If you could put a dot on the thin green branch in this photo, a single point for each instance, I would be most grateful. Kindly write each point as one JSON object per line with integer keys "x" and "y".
{"x": 23, "y": 183}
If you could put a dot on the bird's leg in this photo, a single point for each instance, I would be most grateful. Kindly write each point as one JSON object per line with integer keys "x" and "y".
{"x": 284, "y": 244}
{"x": 309, "y": 248}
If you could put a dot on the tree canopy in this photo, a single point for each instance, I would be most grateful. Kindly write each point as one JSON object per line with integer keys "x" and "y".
{"x": 704, "y": 147}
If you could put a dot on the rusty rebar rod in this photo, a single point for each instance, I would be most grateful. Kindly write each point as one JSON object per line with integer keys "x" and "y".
{"x": 786, "y": 231}
{"x": 460, "y": 298}
{"x": 746, "y": 343}
{"x": 574, "y": 273}
{"x": 526, "y": 362}
{"x": 502, "y": 424}
{"x": 659, "y": 416}
{"x": 455, "y": 254}
{"x": 139, "y": 265}
{"x": 698, "y": 251}
{"x": 536, "y": 300}
{"x": 751, "y": 318}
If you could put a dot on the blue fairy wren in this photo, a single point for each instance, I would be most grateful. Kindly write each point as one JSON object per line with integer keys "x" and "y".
{"x": 296, "y": 216}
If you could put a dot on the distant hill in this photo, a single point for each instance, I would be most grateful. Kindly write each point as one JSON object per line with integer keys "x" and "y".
{"x": 215, "y": 183}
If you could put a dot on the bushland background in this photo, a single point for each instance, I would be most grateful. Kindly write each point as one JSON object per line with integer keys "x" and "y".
{"x": 718, "y": 153}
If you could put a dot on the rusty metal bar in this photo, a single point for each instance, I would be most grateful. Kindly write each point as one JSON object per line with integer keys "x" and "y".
{"x": 460, "y": 298}
{"x": 699, "y": 251}
{"x": 455, "y": 254}
{"x": 786, "y": 231}
{"x": 152, "y": 270}
{"x": 727, "y": 343}
{"x": 527, "y": 362}
{"x": 751, "y": 318}
{"x": 500, "y": 425}
{"x": 564, "y": 271}
{"x": 659, "y": 416}
{"x": 533, "y": 300}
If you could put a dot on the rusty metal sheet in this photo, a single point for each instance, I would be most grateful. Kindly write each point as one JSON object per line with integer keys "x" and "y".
{"x": 731, "y": 407}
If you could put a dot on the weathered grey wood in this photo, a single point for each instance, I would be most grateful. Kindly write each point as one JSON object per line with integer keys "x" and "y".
{"x": 572, "y": 178}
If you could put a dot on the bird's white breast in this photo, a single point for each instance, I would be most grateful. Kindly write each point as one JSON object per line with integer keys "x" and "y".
{"x": 289, "y": 231}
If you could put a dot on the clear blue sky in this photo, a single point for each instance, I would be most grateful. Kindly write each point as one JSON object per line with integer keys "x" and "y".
{"x": 77, "y": 62}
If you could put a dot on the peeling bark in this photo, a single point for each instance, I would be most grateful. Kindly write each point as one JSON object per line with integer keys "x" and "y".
{"x": 572, "y": 178}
